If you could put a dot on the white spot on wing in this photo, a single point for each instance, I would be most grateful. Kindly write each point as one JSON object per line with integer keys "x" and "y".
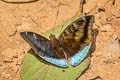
{"x": 84, "y": 18}
{"x": 75, "y": 25}
{"x": 26, "y": 33}
{"x": 34, "y": 36}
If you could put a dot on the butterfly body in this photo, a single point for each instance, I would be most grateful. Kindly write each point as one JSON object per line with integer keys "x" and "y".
{"x": 71, "y": 46}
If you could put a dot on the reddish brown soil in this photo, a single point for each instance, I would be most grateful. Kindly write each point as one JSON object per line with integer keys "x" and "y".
{"x": 15, "y": 18}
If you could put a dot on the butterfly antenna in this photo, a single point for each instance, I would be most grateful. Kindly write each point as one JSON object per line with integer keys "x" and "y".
{"x": 56, "y": 19}
{"x": 80, "y": 10}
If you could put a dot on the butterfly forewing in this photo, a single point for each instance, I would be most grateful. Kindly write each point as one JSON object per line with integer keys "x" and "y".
{"x": 77, "y": 37}
{"x": 43, "y": 48}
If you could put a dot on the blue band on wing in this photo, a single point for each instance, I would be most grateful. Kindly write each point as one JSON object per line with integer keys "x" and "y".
{"x": 58, "y": 62}
{"x": 77, "y": 58}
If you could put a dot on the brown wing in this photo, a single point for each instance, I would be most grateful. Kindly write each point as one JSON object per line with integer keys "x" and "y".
{"x": 77, "y": 35}
{"x": 42, "y": 46}
{"x": 44, "y": 49}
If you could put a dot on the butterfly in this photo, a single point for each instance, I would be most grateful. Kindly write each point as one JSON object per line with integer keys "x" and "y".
{"x": 71, "y": 46}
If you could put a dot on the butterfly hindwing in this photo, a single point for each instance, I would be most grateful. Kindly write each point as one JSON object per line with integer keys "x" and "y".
{"x": 77, "y": 37}
{"x": 43, "y": 48}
